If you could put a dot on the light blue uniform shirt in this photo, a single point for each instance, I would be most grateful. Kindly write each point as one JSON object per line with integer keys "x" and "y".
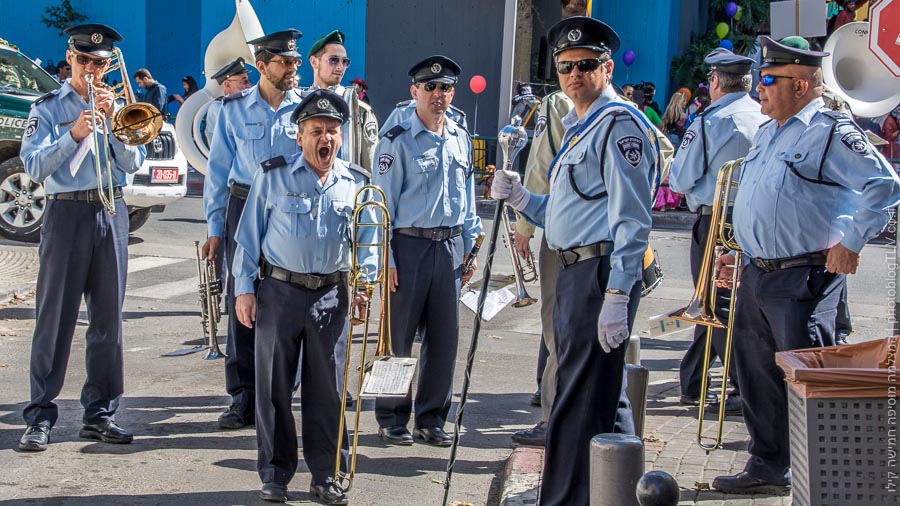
{"x": 623, "y": 217}
{"x": 426, "y": 179}
{"x": 778, "y": 215}
{"x": 247, "y": 133}
{"x": 300, "y": 224}
{"x": 725, "y": 130}
{"x": 47, "y": 146}
{"x": 212, "y": 116}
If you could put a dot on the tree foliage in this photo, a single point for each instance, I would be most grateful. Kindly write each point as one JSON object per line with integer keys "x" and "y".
{"x": 61, "y": 16}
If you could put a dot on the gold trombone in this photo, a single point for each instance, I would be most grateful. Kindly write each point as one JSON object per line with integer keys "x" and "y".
{"x": 701, "y": 308}
{"x": 368, "y": 198}
{"x": 210, "y": 296}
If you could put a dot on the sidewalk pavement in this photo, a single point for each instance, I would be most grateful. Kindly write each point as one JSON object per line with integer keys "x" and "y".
{"x": 18, "y": 270}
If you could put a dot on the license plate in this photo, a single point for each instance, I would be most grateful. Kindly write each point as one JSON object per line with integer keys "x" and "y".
{"x": 164, "y": 175}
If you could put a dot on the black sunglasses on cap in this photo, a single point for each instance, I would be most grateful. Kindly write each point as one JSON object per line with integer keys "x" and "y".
{"x": 585, "y": 66}
{"x": 445, "y": 87}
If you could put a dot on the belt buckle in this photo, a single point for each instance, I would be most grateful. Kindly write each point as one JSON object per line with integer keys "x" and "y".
{"x": 766, "y": 265}
{"x": 313, "y": 282}
{"x": 436, "y": 234}
{"x": 564, "y": 257}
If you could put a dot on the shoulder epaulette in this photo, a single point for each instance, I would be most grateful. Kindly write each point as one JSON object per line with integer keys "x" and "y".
{"x": 358, "y": 169}
{"x": 234, "y": 96}
{"x": 45, "y": 97}
{"x": 403, "y": 103}
{"x": 459, "y": 112}
{"x": 394, "y": 132}
{"x": 273, "y": 163}
{"x": 220, "y": 98}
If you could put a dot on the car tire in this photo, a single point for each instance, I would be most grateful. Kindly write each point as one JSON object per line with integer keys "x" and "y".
{"x": 137, "y": 218}
{"x": 22, "y": 203}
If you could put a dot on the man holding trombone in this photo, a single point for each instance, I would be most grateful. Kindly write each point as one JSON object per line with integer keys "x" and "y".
{"x": 296, "y": 221}
{"x": 84, "y": 245}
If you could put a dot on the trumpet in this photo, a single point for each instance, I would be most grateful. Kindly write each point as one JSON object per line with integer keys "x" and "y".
{"x": 701, "y": 308}
{"x": 525, "y": 270}
{"x": 210, "y": 297}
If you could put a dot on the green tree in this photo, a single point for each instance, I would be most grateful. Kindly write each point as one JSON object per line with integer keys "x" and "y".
{"x": 689, "y": 69}
{"x": 61, "y": 16}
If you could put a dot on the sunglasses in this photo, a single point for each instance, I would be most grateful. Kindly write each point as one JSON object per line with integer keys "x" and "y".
{"x": 335, "y": 60}
{"x": 84, "y": 60}
{"x": 445, "y": 87}
{"x": 291, "y": 62}
{"x": 769, "y": 79}
{"x": 584, "y": 66}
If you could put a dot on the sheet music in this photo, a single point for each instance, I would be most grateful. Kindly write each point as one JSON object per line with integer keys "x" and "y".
{"x": 493, "y": 303}
{"x": 389, "y": 377}
{"x": 84, "y": 146}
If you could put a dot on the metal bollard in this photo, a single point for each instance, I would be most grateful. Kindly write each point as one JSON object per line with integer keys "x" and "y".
{"x": 633, "y": 352}
{"x": 636, "y": 391}
{"x": 617, "y": 463}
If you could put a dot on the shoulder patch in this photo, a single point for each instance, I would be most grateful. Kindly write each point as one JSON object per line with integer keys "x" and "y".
{"x": 632, "y": 149}
{"x": 234, "y": 96}
{"x": 385, "y": 161}
{"x": 371, "y": 131}
{"x": 45, "y": 97}
{"x": 359, "y": 170}
{"x": 689, "y": 137}
{"x": 393, "y": 133}
{"x": 540, "y": 125}
{"x": 856, "y": 142}
{"x": 32, "y": 126}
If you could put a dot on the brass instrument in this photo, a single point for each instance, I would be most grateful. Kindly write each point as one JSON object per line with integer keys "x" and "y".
{"x": 701, "y": 309}
{"x": 105, "y": 189}
{"x": 210, "y": 296}
{"x": 361, "y": 281}
{"x": 525, "y": 270}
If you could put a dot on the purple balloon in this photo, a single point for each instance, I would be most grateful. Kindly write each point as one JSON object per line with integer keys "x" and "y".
{"x": 628, "y": 57}
{"x": 731, "y": 9}
{"x": 726, "y": 44}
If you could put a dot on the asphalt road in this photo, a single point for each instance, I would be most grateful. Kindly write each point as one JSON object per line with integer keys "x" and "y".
{"x": 180, "y": 457}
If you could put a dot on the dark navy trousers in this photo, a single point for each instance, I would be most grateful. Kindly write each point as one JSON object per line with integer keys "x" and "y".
{"x": 289, "y": 316}
{"x": 239, "y": 375}
{"x": 428, "y": 274}
{"x": 788, "y": 309}
{"x": 691, "y": 369}
{"x": 589, "y": 383}
{"x": 83, "y": 252}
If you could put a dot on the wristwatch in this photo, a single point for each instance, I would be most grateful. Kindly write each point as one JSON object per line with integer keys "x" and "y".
{"x": 615, "y": 291}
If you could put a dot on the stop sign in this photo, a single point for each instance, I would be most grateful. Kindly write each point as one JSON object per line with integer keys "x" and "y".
{"x": 884, "y": 36}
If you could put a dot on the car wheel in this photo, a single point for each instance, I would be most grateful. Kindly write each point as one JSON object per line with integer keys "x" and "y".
{"x": 22, "y": 202}
{"x": 137, "y": 218}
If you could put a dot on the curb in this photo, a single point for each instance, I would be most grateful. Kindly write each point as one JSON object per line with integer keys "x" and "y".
{"x": 522, "y": 476}
{"x": 8, "y": 293}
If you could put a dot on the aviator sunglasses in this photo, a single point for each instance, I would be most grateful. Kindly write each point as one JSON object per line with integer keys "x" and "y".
{"x": 335, "y": 60}
{"x": 445, "y": 87}
{"x": 585, "y": 66}
{"x": 84, "y": 60}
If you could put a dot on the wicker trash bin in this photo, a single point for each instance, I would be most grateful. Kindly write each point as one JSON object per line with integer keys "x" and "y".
{"x": 842, "y": 404}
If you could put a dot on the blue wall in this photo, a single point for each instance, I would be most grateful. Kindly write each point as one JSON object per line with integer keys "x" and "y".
{"x": 169, "y": 37}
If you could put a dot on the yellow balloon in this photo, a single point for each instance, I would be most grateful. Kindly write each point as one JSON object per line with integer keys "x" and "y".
{"x": 740, "y": 13}
{"x": 722, "y": 30}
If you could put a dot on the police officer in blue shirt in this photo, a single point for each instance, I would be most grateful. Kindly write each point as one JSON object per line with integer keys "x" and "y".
{"x": 84, "y": 248}
{"x": 812, "y": 192}
{"x": 233, "y": 77}
{"x": 253, "y": 126}
{"x": 296, "y": 222}
{"x": 597, "y": 218}
{"x": 424, "y": 167}
{"x": 725, "y": 133}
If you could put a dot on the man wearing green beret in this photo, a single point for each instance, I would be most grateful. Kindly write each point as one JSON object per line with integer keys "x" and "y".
{"x": 328, "y": 58}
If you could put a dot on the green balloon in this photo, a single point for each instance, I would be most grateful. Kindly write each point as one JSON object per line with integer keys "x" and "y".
{"x": 740, "y": 13}
{"x": 722, "y": 30}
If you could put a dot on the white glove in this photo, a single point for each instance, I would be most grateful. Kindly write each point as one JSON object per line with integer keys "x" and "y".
{"x": 612, "y": 325}
{"x": 507, "y": 186}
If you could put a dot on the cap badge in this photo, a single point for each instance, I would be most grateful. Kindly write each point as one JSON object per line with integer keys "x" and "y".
{"x": 436, "y": 68}
{"x": 97, "y": 38}
{"x": 765, "y": 51}
{"x": 292, "y": 45}
{"x": 323, "y": 104}
{"x": 574, "y": 35}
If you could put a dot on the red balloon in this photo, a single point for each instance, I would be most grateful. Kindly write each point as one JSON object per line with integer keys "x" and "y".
{"x": 477, "y": 84}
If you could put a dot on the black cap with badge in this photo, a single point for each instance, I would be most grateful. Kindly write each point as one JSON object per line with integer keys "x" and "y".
{"x": 93, "y": 39}
{"x": 791, "y": 50}
{"x": 435, "y": 68}
{"x": 723, "y": 60}
{"x": 583, "y": 32}
{"x": 233, "y": 68}
{"x": 321, "y": 103}
{"x": 283, "y": 43}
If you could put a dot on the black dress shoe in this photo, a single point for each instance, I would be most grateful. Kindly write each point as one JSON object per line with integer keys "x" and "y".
{"x": 690, "y": 400}
{"x": 273, "y": 492}
{"x": 328, "y": 494}
{"x": 107, "y": 431}
{"x": 397, "y": 435}
{"x": 744, "y": 483}
{"x": 434, "y": 436}
{"x": 535, "y": 436}
{"x": 235, "y": 418}
{"x": 733, "y": 407}
{"x": 536, "y": 398}
{"x": 35, "y": 439}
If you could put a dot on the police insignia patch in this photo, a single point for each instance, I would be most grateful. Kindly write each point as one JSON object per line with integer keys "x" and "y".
{"x": 292, "y": 45}
{"x": 632, "y": 149}
{"x": 574, "y": 35}
{"x": 540, "y": 126}
{"x": 97, "y": 38}
{"x": 436, "y": 68}
{"x": 372, "y": 132}
{"x": 323, "y": 104}
{"x": 688, "y": 139}
{"x": 32, "y": 126}
{"x": 855, "y": 141}
{"x": 384, "y": 163}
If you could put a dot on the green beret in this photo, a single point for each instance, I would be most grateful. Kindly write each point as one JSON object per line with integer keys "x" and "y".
{"x": 795, "y": 42}
{"x": 335, "y": 37}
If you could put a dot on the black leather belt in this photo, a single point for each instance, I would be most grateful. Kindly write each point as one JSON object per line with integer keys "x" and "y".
{"x": 776, "y": 264}
{"x": 572, "y": 256}
{"x": 435, "y": 234}
{"x": 704, "y": 210}
{"x": 240, "y": 191}
{"x": 310, "y": 281}
{"x": 84, "y": 195}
